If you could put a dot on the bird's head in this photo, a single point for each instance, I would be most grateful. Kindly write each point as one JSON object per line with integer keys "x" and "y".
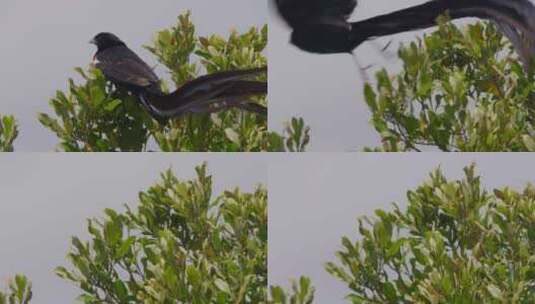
{"x": 106, "y": 40}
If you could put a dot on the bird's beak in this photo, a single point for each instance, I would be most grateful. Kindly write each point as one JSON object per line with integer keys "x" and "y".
{"x": 92, "y": 41}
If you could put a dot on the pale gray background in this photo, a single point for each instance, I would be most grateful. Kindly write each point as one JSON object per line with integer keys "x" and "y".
{"x": 46, "y": 198}
{"x": 326, "y": 90}
{"x": 42, "y": 41}
{"x": 315, "y": 199}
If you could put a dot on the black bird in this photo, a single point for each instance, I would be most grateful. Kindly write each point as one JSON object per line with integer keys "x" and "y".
{"x": 208, "y": 93}
{"x": 321, "y": 26}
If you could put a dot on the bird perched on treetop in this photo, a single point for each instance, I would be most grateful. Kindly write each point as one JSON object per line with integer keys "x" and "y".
{"x": 208, "y": 93}
{"x": 322, "y": 26}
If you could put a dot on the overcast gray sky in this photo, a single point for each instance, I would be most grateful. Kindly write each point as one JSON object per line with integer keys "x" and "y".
{"x": 46, "y": 199}
{"x": 326, "y": 90}
{"x": 315, "y": 199}
{"x": 42, "y": 41}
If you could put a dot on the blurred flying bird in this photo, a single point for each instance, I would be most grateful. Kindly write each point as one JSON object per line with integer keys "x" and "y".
{"x": 319, "y": 26}
{"x": 206, "y": 94}
{"x": 322, "y": 26}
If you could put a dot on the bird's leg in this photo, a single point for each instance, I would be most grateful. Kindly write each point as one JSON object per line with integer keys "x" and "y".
{"x": 383, "y": 50}
{"x": 362, "y": 70}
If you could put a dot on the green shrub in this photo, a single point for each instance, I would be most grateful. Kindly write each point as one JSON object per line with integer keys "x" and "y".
{"x": 180, "y": 245}
{"x": 460, "y": 89}
{"x": 455, "y": 242}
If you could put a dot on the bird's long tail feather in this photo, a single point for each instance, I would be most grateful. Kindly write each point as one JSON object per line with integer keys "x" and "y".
{"x": 206, "y": 92}
{"x": 516, "y": 13}
{"x": 236, "y": 94}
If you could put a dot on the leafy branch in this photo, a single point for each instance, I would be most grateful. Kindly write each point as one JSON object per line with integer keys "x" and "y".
{"x": 454, "y": 243}
{"x": 302, "y": 293}
{"x": 461, "y": 89}
{"x": 8, "y": 133}
{"x": 19, "y": 291}
{"x": 180, "y": 245}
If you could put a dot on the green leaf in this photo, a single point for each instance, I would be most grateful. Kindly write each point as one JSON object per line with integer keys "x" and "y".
{"x": 112, "y": 105}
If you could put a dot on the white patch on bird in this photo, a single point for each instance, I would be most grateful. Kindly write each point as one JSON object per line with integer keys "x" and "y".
{"x": 95, "y": 60}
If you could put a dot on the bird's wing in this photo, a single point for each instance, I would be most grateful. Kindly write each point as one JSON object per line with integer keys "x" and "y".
{"x": 123, "y": 66}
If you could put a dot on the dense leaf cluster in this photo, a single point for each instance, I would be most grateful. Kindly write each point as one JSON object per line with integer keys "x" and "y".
{"x": 454, "y": 243}
{"x": 460, "y": 89}
{"x": 180, "y": 245}
{"x": 19, "y": 291}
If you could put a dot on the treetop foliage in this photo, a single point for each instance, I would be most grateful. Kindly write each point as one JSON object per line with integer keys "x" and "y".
{"x": 180, "y": 245}
{"x": 455, "y": 242}
{"x": 460, "y": 89}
